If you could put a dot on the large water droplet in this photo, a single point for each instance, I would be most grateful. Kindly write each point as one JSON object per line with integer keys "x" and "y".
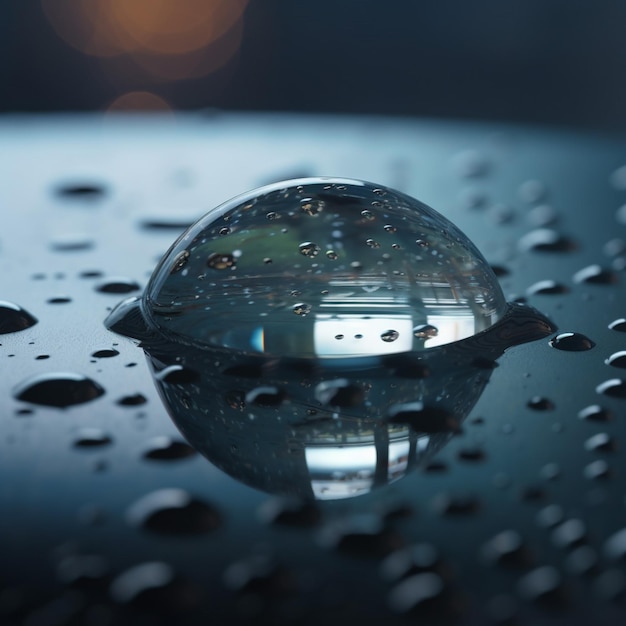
{"x": 58, "y": 389}
{"x": 614, "y": 388}
{"x": 617, "y": 359}
{"x": 13, "y": 318}
{"x": 572, "y": 342}
{"x": 353, "y": 290}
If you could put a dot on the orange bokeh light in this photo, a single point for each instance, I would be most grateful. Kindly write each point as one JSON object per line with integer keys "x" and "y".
{"x": 139, "y": 101}
{"x": 170, "y": 39}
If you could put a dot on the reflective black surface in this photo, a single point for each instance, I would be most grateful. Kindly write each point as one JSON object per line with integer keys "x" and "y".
{"x": 108, "y": 515}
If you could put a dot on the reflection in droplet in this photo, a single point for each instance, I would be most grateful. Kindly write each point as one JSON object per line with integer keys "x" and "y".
{"x": 425, "y": 331}
{"x": 572, "y": 342}
{"x": 58, "y": 389}
{"x": 14, "y": 318}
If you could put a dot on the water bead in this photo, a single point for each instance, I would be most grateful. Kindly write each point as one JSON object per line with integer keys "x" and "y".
{"x": 434, "y": 289}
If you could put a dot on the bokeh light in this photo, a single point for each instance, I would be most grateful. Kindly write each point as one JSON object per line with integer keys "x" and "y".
{"x": 139, "y": 101}
{"x": 165, "y": 39}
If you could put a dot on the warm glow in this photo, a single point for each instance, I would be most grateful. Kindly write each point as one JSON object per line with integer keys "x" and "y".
{"x": 139, "y": 101}
{"x": 170, "y": 39}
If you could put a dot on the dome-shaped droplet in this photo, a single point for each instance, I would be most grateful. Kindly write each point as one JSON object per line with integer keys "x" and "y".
{"x": 58, "y": 389}
{"x": 360, "y": 287}
{"x": 13, "y": 318}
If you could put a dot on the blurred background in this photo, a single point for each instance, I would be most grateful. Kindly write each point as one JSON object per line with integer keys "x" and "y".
{"x": 555, "y": 62}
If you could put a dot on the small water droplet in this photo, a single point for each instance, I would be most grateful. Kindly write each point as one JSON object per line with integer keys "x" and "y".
{"x": 470, "y": 164}
{"x": 173, "y": 511}
{"x": 118, "y": 286}
{"x": 532, "y": 191}
{"x": 617, "y": 359}
{"x": 168, "y": 449}
{"x": 614, "y": 388}
{"x": 545, "y": 240}
{"x": 332, "y": 255}
{"x": 390, "y": 335}
{"x": 601, "y": 442}
{"x": 14, "y": 318}
{"x": 619, "y": 325}
{"x": 225, "y": 230}
{"x": 71, "y": 243}
{"x": 265, "y": 395}
{"x": 135, "y": 399}
{"x": 595, "y": 413}
{"x": 372, "y": 243}
{"x": 546, "y": 287}
{"x": 82, "y": 191}
{"x": 340, "y": 393}
{"x": 425, "y": 331}
{"x": 595, "y": 274}
{"x": 104, "y": 354}
{"x": 389, "y": 228}
{"x": 219, "y": 261}
{"x": 597, "y": 470}
{"x": 92, "y": 438}
{"x": 539, "y": 403}
{"x": 302, "y": 309}
{"x": 309, "y": 249}
{"x": 368, "y": 215}
{"x": 58, "y": 389}
{"x": 312, "y": 206}
{"x": 571, "y": 342}
{"x": 272, "y": 215}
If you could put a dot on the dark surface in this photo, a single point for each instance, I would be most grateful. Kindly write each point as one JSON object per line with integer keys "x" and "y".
{"x": 519, "y": 512}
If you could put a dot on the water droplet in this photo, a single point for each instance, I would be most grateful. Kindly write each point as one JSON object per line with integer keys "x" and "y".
{"x": 532, "y": 191}
{"x": 507, "y": 548}
{"x": 178, "y": 375}
{"x": 104, "y": 354}
{"x": 135, "y": 399}
{"x": 309, "y": 249}
{"x": 543, "y": 215}
{"x": 71, "y": 243}
{"x": 595, "y": 413}
{"x": 219, "y": 261}
{"x": 618, "y": 178}
{"x": 425, "y": 331}
{"x": 312, "y": 206}
{"x": 249, "y": 310}
{"x": 173, "y": 511}
{"x": 58, "y": 389}
{"x": 546, "y": 287}
{"x": 614, "y": 388}
{"x": 92, "y": 438}
{"x": 570, "y": 533}
{"x": 289, "y": 512}
{"x": 59, "y": 300}
{"x": 168, "y": 449}
{"x": 154, "y": 589}
{"x": 301, "y": 309}
{"x": 571, "y": 342}
{"x": 82, "y": 191}
{"x": 14, "y": 318}
{"x": 582, "y": 560}
{"x": 118, "y": 286}
{"x": 600, "y": 442}
{"x": 470, "y": 164}
{"x": 615, "y": 545}
{"x": 471, "y": 454}
{"x": 225, "y": 230}
{"x": 389, "y": 335}
{"x": 416, "y": 592}
{"x": 597, "y": 470}
{"x": 539, "y": 403}
{"x": 422, "y": 418}
{"x": 456, "y": 505}
{"x": 543, "y": 584}
{"x": 545, "y": 240}
{"x": 372, "y": 243}
{"x": 619, "y": 325}
{"x": 272, "y": 215}
{"x": 617, "y": 359}
{"x": 596, "y": 275}
{"x": 389, "y": 228}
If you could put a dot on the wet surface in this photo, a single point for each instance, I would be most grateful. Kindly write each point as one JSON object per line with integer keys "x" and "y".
{"x": 481, "y": 485}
